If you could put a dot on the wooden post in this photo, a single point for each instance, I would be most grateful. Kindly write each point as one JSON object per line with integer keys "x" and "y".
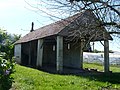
{"x": 81, "y": 54}
{"x": 39, "y": 53}
{"x": 59, "y": 61}
{"x": 93, "y": 47}
{"x": 106, "y": 56}
{"x": 29, "y": 61}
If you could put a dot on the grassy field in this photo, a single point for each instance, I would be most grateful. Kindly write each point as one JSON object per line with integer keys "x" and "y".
{"x": 32, "y": 79}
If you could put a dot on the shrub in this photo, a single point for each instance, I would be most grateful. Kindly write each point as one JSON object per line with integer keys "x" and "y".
{"x": 6, "y": 69}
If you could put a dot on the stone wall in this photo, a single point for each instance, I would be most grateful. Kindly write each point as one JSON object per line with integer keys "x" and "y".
{"x": 17, "y": 53}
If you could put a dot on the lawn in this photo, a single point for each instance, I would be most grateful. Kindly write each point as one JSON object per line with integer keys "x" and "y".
{"x": 32, "y": 79}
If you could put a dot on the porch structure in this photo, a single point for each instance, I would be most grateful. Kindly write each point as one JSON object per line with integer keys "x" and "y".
{"x": 51, "y": 44}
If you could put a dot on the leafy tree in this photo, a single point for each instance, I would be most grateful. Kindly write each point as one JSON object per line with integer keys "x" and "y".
{"x": 6, "y": 69}
{"x": 6, "y": 59}
{"x": 7, "y": 44}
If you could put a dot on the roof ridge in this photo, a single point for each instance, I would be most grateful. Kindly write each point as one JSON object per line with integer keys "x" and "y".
{"x": 61, "y": 20}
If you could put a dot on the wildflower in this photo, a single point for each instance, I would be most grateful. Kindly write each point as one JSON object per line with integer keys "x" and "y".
{"x": 4, "y": 61}
{"x": 3, "y": 65}
{"x": 10, "y": 68}
{"x": 7, "y": 72}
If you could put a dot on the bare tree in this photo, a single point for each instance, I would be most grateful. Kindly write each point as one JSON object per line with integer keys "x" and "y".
{"x": 106, "y": 11}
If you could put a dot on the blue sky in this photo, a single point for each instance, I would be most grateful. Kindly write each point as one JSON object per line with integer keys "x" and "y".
{"x": 16, "y": 17}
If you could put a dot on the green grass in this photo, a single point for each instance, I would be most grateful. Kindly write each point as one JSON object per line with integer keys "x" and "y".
{"x": 32, "y": 79}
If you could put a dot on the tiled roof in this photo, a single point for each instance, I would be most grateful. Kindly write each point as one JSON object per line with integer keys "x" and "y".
{"x": 51, "y": 29}
{"x": 48, "y": 30}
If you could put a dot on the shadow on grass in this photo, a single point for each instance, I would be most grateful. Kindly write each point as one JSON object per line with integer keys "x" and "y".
{"x": 113, "y": 78}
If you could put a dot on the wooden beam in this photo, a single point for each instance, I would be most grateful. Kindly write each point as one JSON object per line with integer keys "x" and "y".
{"x": 39, "y": 53}
{"x": 59, "y": 61}
{"x": 106, "y": 56}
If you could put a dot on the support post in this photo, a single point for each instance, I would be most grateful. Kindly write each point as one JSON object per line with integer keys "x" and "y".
{"x": 29, "y": 61}
{"x": 81, "y": 53}
{"x": 59, "y": 61}
{"x": 93, "y": 47}
{"x": 39, "y": 53}
{"x": 106, "y": 56}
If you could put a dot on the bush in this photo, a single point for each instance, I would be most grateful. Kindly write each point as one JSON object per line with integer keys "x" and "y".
{"x": 6, "y": 69}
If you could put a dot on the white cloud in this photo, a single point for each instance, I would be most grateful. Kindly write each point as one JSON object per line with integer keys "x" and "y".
{"x": 5, "y": 4}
